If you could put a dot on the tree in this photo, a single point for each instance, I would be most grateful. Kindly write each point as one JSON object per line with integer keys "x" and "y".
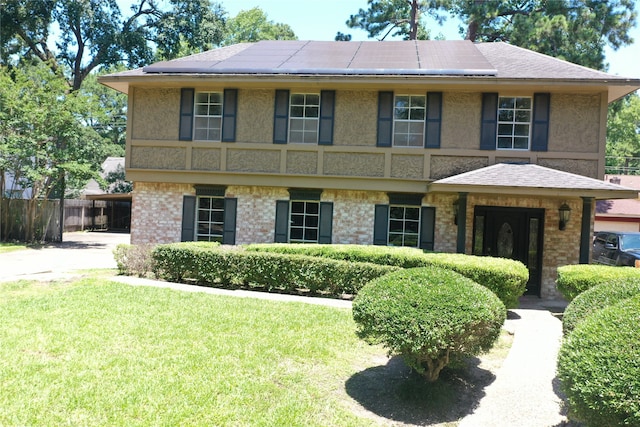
{"x": 623, "y": 136}
{"x": 573, "y": 30}
{"x": 396, "y": 18}
{"x": 94, "y": 34}
{"x": 44, "y": 142}
{"x": 253, "y": 25}
{"x": 116, "y": 181}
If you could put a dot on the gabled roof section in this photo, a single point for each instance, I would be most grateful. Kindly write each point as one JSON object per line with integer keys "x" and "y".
{"x": 528, "y": 179}
{"x": 416, "y": 62}
{"x": 339, "y": 58}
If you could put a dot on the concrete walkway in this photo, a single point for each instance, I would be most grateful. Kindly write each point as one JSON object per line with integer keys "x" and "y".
{"x": 523, "y": 393}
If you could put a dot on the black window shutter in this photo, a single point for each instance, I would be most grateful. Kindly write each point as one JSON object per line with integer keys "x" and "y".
{"x": 230, "y": 108}
{"x": 381, "y": 225}
{"x": 186, "y": 114}
{"x": 281, "y": 117}
{"x": 489, "y": 129}
{"x": 282, "y": 221}
{"x": 188, "y": 218}
{"x": 327, "y": 107}
{"x": 385, "y": 119}
{"x": 540, "y": 131}
{"x": 434, "y": 120}
{"x": 325, "y": 227}
{"x": 427, "y": 227}
{"x": 229, "y": 227}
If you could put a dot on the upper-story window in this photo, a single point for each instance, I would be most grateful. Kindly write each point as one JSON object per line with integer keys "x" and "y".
{"x": 207, "y": 117}
{"x": 304, "y": 114}
{"x": 514, "y": 123}
{"x": 408, "y": 120}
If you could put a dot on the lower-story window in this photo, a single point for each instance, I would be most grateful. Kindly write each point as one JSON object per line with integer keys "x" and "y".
{"x": 304, "y": 221}
{"x": 404, "y": 222}
{"x": 303, "y": 218}
{"x": 210, "y": 219}
{"x": 209, "y": 216}
{"x": 404, "y": 226}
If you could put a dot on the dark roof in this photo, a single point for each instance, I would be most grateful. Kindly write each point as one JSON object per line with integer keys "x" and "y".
{"x": 317, "y": 57}
{"x": 423, "y": 59}
{"x": 513, "y": 178}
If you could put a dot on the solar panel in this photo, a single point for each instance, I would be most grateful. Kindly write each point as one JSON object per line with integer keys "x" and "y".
{"x": 431, "y": 57}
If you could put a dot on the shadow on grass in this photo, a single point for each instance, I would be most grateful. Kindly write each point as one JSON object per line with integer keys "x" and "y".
{"x": 397, "y": 393}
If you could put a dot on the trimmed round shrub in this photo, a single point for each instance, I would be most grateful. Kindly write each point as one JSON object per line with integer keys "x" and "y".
{"x": 599, "y": 367}
{"x": 575, "y": 279}
{"x": 597, "y": 298}
{"x": 429, "y": 316}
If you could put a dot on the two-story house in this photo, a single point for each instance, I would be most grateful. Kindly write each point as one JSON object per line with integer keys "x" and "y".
{"x": 450, "y": 146}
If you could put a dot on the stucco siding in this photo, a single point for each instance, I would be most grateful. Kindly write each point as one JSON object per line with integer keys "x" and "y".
{"x": 354, "y": 164}
{"x": 461, "y": 120}
{"x": 172, "y": 158}
{"x": 156, "y": 114}
{"x": 574, "y": 124}
{"x": 255, "y": 116}
{"x": 407, "y": 166}
{"x": 253, "y": 161}
{"x": 356, "y": 115}
{"x": 445, "y": 166}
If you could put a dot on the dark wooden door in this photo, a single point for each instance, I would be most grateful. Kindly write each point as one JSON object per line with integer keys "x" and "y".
{"x": 511, "y": 233}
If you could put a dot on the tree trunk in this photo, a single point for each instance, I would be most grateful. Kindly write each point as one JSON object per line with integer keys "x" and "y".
{"x": 413, "y": 31}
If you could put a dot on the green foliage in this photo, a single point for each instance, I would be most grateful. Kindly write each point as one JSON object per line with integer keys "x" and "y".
{"x": 211, "y": 265}
{"x": 575, "y": 279}
{"x": 573, "y": 31}
{"x": 394, "y": 17}
{"x": 623, "y": 136}
{"x": 134, "y": 260}
{"x": 253, "y": 25}
{"x": 506, "y": 278}
{"x": 599, "y": 367}
{"x": 429, "y": 316}
{"x": 44, "y": 143}
{"x": 597, "y": 298}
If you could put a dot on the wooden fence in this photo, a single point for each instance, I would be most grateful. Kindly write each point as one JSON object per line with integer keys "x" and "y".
{"x": 14, "y": 226}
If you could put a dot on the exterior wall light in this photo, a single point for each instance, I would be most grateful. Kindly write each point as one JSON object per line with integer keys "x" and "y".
{"x": 564, "y": 212}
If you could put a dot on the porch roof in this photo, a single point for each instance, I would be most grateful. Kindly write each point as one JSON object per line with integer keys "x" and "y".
{"x": 530, "y": 180}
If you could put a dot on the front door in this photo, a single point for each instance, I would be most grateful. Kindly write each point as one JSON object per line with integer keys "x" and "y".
{"x": 513, "y": 233}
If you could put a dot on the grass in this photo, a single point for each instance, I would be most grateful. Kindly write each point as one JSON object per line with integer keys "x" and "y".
{"x": 94, "y": 352}
{"x": 10, "y": 247}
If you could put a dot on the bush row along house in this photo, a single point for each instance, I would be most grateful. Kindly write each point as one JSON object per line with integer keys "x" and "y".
{"x": 448, "y": 146}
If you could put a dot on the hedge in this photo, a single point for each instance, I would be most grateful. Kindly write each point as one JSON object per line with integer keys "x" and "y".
{"x": 506, "y": 278}
{"x": 575, "y": 279}
{"x": 271, "y": 271}
{"x": 597, "y": 298}
{"x": 599, "y": 367}
{"x": 429, "y": 316}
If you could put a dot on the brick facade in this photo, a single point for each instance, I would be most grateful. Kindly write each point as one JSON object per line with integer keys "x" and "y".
{"x": 157, "y": 218}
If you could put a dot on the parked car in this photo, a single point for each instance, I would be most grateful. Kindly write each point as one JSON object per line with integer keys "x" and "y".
{"x": 616, "y": 248}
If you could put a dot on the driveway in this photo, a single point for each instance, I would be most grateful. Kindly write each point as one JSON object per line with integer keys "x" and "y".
{"x": 77, "y": 251}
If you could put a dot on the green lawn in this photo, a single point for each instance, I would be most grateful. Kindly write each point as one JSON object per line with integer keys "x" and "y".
{"x": 10, "y": 247}
{"x": 98, "y": 353}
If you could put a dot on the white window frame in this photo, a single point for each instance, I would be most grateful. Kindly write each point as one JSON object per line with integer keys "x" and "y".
{"x": 211, "y": 223}
{"x": 512, "y": 121}
{"x": 304, "y": 221}
{"x": 306, "y": 114}
{"x": 405, "y": 126}
{"x": 404, "y": 221}
{"x": 211, "y": 122}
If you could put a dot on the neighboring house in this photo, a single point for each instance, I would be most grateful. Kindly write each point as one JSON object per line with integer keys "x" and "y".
{"x": 444, "y": 145}
{"x": 11, "y": 189}
{"x": 100, "y": 209}
{"x": 619, "y": 215}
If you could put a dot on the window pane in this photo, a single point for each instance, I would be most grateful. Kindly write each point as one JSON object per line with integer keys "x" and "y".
{"x": 297, "y": 220}
{"x": 418, "y": 101}
{"x": 521, "y": 130}
{"x": 402, "y": 101}
{"x": 202, "y": 97}
{"x": 396, "y": 226}
{"x": 217, "y": 216}
{"x": 506, "y": 102}
{"x": 417, "y": 114}
{"x": 412, "y": 213}
{"x": 297, "y": 111}
{"x": 310, "y": 138}
{"x": 310, "y": 235}
{"x": 411, "y": 240}
{"x": 402, "y": 127}
{"x": 505, "y": 115}
{"x": 411, "y": 227}
{"x": 396, "y": 212}
{"x": 505, "y": 129}
{"x": 311, "y": 111}
{"x": 296, "y": 233}
{"x": 523, "y": 116}
{"x": 504, "y": 142}
{"x": 395, "y": 239}
{"x": 401, "y": 113}
{"x": 521, "y": 143}
{"x": 523, "y": 103}
{"x": 297, "y": 99}
{"x": 311, "y": 221}
{"x": 295, "y": 136}
{"x": 313, "y": 99}
{"x": 297, "y": 207}
{"x": 297, "y": 124}
{"x": 312, "y": 207}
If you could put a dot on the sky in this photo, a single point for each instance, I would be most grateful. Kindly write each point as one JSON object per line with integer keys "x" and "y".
{"x": 322, "y": 19}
